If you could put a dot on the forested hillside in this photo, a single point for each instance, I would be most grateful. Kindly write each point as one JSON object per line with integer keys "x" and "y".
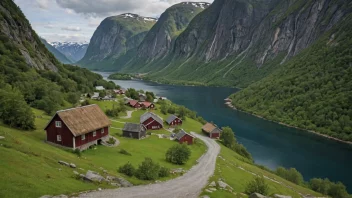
{"x": 312, "y": 91}
{"x": 30, "y": 76}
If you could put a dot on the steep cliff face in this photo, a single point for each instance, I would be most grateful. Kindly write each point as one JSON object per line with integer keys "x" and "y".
{"x": 171, "y": 23}
{"x": 114, "y": 37}
{"x": 237, "y": 42}
{"x": 14, "y": 27}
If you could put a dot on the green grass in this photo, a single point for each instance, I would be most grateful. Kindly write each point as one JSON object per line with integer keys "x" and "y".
{"x": 30, "y": 168}
{"x": 238, "y": 179}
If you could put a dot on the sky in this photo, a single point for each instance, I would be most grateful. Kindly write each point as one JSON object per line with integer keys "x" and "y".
{"x": 76, "y": 20}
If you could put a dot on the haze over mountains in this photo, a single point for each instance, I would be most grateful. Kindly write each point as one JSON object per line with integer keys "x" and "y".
{"x": 74, "y": 51}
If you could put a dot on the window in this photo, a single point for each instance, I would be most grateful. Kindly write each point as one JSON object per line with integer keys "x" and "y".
{"x": 94, "y": 133}
{"x": 102, "y": 130}
{"x": 58, "y": 138}
{"x": 58, "y": 124}
{"x": 83, "y": 137}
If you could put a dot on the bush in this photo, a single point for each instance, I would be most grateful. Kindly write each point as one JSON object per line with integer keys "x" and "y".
{"x": 77, "y": 152}
{"x": 164, "y": 172}
{"x": 291, "y": 175}
{"x": 148, "y": 170}
{"x": 111, "y": 141}
{"x": 85, "y": 103}
{"x": 326, "y": 187}
{"x": 178, "y": 154}
{"x": 127, "y": 169}
{"x": 228, "y": 139}
{"x": 124, "y": 152}
{"x": 258, "y": 185}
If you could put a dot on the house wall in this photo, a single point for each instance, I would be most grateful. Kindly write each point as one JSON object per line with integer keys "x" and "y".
{"x": 175, "y": 122}
{"x": 215, "y": 135}
{"x": 154, "y": 125}
{"x": 90, "y": 138}
{"x": 134, "y": 135}
{"x": 52, "y": 131}
{"x": 186, "y": 139}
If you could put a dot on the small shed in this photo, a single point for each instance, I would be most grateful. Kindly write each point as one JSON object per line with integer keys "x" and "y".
{"x": 184, "y": 137}
{"x": 78, "y": 128}
{"x": 212, "y": 130}
{"x": 151, "y": 121}
{"x": 136, "y": 131}
{"x": 173, "y": 120}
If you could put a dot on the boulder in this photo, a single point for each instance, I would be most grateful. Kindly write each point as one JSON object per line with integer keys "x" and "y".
{"x": 209, "y": 191}
{"x": 123, "y": 182}
{"x": 2, "y": 137}
{"x": 257, "y": 195}
{"x": 93, "y": 177}
{"x": 73, "y": 165}
{"x": 212, "y": 184}
{"x": 205, "y": 196}
{"x": 222, "y": 184}
{"x": 212, "y": 189}
{"x": 75, "y": 172}
{"x": 64, "y": 163}
{"x": 281, "y": 196}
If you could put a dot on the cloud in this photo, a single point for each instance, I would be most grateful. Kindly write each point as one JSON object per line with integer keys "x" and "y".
{"x": 103, "y": 8}
{"x": 71, "y": 28}
{"x": 43, "y": 4}
{"x": 52, "y": 37}
{"x": 49, "y": 26}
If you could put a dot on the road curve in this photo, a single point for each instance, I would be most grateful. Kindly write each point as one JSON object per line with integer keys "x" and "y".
{"x": 188, "y": 185}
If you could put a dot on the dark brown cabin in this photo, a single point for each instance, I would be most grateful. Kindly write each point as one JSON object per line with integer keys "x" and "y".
{"x": 136, "y": 131}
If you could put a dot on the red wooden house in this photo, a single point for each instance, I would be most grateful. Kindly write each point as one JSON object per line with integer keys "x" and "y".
{"x": 134, "y": 104}
{"x": 184, "y": 137}
{"x": 147, "y": 105}
{"x": 78, "y": 128}
{"x": 151, "y": 121}
{"x": 212, "y": 130}
{"x": 120, "y": 91}
{"x": 173, "y": 120}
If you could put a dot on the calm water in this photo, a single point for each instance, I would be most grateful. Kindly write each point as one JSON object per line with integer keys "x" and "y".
{"x": 270, "y": 144}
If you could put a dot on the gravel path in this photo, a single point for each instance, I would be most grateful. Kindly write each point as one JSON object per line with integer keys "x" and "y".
{"x": 129, "y": 115}
{"x": 186, "y": 186}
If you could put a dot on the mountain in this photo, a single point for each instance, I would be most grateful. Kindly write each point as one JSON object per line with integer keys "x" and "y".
{"x": 114, "y": 37}
{"x": 30, "y": 76}
{"x": 58, "y": 55}
{"x": 74, "y": 51}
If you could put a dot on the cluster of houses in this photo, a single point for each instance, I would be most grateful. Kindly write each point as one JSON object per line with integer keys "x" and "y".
{"x": 82, "y": 127}
{"x": 98, "y": 89}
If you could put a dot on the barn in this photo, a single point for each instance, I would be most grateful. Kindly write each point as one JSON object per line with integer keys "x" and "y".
{"x": 136, "y": 131}
{"x": 173, "y": 120}
{"x": 134, "y": 104}
{"x": 212, "y": 130}
{"x": 151, "y": 121}
{"x": 184, "y": 137}
{"x": 78, "y": 128}
{"x": 147, "y": 105}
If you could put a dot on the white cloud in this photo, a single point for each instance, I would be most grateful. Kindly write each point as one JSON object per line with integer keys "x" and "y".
{"x": 71, "y": 28}
{"x": 49, "y": 26}
{"x": 43, "y": 4}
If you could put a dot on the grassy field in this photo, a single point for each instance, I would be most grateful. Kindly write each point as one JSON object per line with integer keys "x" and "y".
{"x": 29, "y": 166}
{"x": 237, "y": 172}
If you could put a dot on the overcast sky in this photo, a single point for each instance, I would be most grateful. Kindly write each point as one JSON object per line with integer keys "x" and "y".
{"x": 76, "y": 20}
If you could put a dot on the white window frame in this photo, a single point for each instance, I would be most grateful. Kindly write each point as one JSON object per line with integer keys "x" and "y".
{"x": 58, "y": 124}
{"x": 83, "y": 137}
{"x": 102, "y": 131}
{"x": 58, "y": 138}
{"x": 94, "y": 133}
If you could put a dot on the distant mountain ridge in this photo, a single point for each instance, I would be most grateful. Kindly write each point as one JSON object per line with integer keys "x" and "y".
{"x": 58, "y": 55}
{"x": 74, "y": 51}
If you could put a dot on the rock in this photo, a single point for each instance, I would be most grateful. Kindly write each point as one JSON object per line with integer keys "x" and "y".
{"x": 93, "y": 176}
{"x": 60, "y": 196}
{"x": 2, "y": 137}
{"x": 212, "y": 189}
{"x": 123, "y": 182}
{"x": 99, "y": 189}
{"x": 177, "y": 170}
{"x": 222, "y": 184}
{"x": 75, "y": 172}
{"x": 256, "y": 195}
{"x": 81, "y": 169}
{"x": 73, "y": 165}
{"x": 205, "y": 196}
{"x": 105, "y": 171}
{"x": 281, "y": 196}
{"x": 81, "y": 175}
{"x": 64, "y": 163}
{"x": 212, "y": 184}
{"x": 209, "y": 191}
{"x": 115, "y": 184}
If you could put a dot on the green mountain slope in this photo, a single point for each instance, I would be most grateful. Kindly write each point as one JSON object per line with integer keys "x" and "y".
{"x": 30, "y": 76}
{"x": 312, "y": 91}
{"x": 58, "y": 55}
{"x": 114, "y": 37}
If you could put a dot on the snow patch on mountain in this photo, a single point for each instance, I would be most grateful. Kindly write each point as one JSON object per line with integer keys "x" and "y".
{"x": 136, "y": 16}
{"x": 202, "y": 5}
{"x": 72, "y": 50}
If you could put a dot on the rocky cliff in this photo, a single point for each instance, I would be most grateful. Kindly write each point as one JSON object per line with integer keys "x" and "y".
{"x": 237, "y": 42}
{"x": 114, "y": 37}
{"x": 15, "y": 28}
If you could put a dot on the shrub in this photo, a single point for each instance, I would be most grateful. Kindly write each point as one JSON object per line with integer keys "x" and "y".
{"x": 77, "y": 152}
{"x": 326, "y": 187}
{"x": 111, "y": 141}
{"x": 291, "y": 175}
{"x": 178, "y": 154}
{"x": 228, "y": 139}
{"x": 258, "y": 185}
{"x": 85, "y": 103}
{"x": 127, "y": 169}
{"x": 164, "y": 172}
{"x": 148, "y": 170}
{"x": 124, "y": 152}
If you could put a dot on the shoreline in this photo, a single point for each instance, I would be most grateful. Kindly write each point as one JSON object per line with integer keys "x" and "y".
{"x": 230, "y": 105}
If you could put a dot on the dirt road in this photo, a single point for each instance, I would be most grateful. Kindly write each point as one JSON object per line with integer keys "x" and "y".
{"x": 188, "y": 185}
